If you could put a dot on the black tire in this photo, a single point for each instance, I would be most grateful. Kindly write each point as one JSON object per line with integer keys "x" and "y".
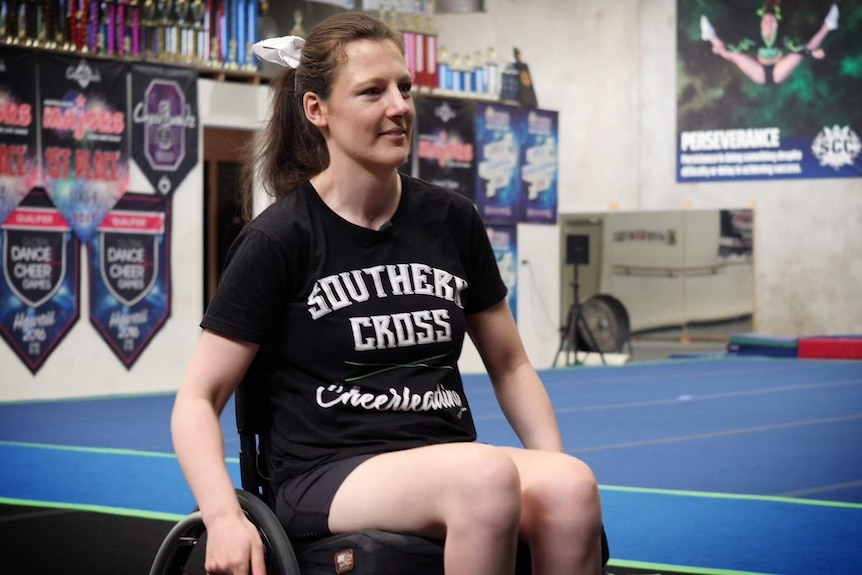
{"x": 176, "y": 549}
{"x": 277, "y": 547}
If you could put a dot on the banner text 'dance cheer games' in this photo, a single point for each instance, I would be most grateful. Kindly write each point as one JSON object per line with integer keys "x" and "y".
{"x": 66, "y": 156}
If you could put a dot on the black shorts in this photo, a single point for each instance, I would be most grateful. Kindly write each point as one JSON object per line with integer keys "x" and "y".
{"x": 302, "y": 502}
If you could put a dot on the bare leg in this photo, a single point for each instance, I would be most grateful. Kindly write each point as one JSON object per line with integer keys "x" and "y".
{"x": 561, "y": 514}
{"x": 813, "y": 45}
{"x": 786, "y": 65}
{"x": 468, "y": 494}
{"x": 747, "y": 64}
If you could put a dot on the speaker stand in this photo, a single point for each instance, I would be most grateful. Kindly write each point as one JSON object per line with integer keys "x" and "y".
{"x": 569, "y": 333}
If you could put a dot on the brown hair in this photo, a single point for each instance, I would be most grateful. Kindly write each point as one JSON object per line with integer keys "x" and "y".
{"x": 290, "y": 150}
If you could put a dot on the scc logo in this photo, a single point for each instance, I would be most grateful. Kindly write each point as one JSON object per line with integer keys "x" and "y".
{"x": 836, "y": 146}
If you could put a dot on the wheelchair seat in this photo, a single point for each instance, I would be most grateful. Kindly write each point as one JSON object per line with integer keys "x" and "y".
{"x": 370, "y": 551}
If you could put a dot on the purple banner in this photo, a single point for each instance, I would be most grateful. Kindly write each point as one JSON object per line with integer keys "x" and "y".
{"x": 19, "y": 164}
{"x": 164, "y": 124}
{"x": 85, "y": 161}
{"x": 130, "y": 297}
{"x": 39, "y": 297}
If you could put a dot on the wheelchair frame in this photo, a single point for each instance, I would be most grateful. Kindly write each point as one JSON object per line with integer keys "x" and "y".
{"x": 257, "y": 501}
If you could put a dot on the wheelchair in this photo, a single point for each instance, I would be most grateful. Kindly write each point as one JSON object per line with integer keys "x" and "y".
{"x": 367, "y": 551}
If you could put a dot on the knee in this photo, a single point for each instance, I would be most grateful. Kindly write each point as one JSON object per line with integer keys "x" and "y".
{"x": 568, "y": 500}
{"x": 489, "y": 489}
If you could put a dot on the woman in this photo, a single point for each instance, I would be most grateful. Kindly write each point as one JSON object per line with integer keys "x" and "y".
{"x": 772, "y": 63}
{"x": 352, "y": 294}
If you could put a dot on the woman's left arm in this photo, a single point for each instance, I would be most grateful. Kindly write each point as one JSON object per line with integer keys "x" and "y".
{"x": 519, "y": 391}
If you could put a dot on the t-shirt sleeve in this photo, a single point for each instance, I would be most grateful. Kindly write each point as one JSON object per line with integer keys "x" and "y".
{"x": 253, "y": 289}
{"x": 486, "y": 286}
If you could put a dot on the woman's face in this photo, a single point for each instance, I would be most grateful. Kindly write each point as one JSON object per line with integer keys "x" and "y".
{"x": 370, "y": 112}
{"x": 768, "y": 27}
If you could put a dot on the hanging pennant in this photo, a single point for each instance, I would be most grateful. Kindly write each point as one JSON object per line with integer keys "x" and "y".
{"x": 129, "y": 275}
{"x": 538, "y": 143}
{"x": 165, "y": 130}
{"x": 39, "y": 297}
{"x": 85, "y": 164}
{"x": 446, "y": 138}
{"x": 19, "y": 171}
{"x": 498, "y": 174}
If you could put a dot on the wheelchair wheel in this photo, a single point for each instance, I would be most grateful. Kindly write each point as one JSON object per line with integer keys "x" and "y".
{"x": 182, "y": 551}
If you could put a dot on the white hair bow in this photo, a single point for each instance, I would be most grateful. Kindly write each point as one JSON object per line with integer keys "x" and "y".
{"x": 284, "y": 51}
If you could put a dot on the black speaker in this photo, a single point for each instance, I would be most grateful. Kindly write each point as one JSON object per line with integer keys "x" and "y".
{"x": 578, "y": 249}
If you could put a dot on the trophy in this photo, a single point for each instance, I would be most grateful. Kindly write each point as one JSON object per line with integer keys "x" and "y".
{"x": 114, "y": 41}
{"x": 468, "y": 82}
{"x": 92, "y": 27}
{"x": 230, "y": 27}
{"x": 238, "y": 11}
{"x": 444, "y": 76}
{"x": 231, "y": 54}
{"x": 164, "y": 8}
{"x": 457, "y": 84}
{"x": 104, "y": 27}
{"x": 44, "y": 24}
{"x": 74, "y": 19}
{"x": 133, "y": 16}
{"x": 297, "y": 29}
{"x": 122, "y": 23}
{"x": 150, "y": 38}
{"x": 492, "y": 74}
{"x": 179, "y": 31}
{"x": 20, "y": 34}
{"x": 4, "y": 23}
{"x": 251, "y": 34}
{"x": 198, "y": 12}
{"x": 61, "y": 26}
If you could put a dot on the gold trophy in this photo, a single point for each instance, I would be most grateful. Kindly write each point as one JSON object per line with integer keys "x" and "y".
{"x": 232, "y": 54}
{"x": 297, "y": 29}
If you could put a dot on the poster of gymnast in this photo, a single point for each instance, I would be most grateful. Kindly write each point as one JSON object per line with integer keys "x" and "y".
{"x": 768, "y": 89}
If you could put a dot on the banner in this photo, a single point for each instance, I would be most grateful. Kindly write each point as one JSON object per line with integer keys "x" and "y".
{"x": 85, "y": 163}
{"x": 19, "y": 156}
{"x": 504, "y": 241}
{"x": 445, "y": 143}
{"x": 498, "y": 184}
{"x": 539, "y": 144}
{"x": 164, "y": 124}
{"x": 768, "y": 90}
{"x": 129, "y": 258}
{"x": 39, "y": 297}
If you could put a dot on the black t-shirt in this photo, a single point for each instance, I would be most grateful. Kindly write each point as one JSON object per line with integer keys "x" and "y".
{"x": 360, "y": 330}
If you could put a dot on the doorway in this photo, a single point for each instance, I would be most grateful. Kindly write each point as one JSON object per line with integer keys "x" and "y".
{"x": 223, "y": 150}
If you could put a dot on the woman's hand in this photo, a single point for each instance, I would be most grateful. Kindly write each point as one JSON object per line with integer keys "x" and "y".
{"x": 234, "y": 547}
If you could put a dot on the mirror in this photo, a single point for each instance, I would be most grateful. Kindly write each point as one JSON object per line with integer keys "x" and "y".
{"x": 682, "y": 275}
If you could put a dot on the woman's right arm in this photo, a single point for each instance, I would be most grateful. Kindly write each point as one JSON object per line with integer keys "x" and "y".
{"x": 216, "y": 369}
